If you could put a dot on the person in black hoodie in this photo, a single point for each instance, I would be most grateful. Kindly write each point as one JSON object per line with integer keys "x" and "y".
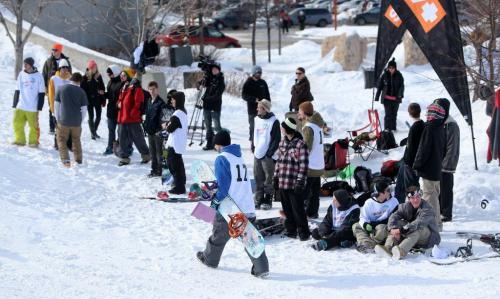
{"x": 391, "y": 86}
{"x": 336, "y": 228}
{"x": 152, "y": 125}
{"x": 112, "y": 93}
{"x": 430, "y": 154}
{"x": 254, "y": 90}
{"x": 406, "y": 175}
{"x": 212, "y": 103}
{"x": 301, "y": 90}
{"x": 93, "y": 85}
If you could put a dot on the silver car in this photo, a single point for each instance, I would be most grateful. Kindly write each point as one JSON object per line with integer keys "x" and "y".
{"x": 314, "y": 16}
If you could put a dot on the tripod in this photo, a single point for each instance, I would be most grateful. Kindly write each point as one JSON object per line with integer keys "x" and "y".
{"x": 197, "y": 112}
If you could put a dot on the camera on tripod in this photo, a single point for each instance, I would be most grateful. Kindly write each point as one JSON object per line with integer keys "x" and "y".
{"x": 206, "y": 64}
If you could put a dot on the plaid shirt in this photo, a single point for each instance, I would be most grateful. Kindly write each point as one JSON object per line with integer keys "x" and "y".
{"x": 293, "y": 160}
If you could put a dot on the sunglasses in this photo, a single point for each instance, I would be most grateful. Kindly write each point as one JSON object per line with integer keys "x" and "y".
{"x": 299, "y": 73}
{"x": 65, "y": 67}
{"x": 414, "y": 194}
{"x": 55, "y": 50}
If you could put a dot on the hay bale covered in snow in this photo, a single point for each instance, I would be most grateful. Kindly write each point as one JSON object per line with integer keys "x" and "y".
{"x": 413, "y": 54}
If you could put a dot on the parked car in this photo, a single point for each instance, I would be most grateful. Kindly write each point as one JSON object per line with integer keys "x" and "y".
{"x": 234, "y": 18}
{"x": 369, "y": 17}
{"x": 211, "y": 36}
{"x": 314, "y": 16}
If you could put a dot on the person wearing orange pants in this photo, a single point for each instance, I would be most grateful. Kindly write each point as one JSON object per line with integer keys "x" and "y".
{"x": 28, "y": 100}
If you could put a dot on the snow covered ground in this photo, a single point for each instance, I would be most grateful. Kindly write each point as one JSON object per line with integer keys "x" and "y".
{"x": 84, "y": 233}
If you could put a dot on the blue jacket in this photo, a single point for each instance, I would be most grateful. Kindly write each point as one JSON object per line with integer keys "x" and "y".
{"x": 223, "y": 171}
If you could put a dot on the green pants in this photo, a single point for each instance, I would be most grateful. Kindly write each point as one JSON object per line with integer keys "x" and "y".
{"x": 19, "y": 122}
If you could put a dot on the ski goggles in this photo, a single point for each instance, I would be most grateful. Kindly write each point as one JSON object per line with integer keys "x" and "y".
{"x": 414, "y": 193}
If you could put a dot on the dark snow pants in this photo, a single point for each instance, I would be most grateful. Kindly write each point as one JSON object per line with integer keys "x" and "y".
{"x": 446, "y": 194}
{"x": 176, "y": 167}
{"x": 217, "y": 241}
{"x": 391, "y": 114}
{"x": 94, "y": 122}
{"x": 155, "y": 151}
{"x": 293, "y": 206}
{"x": 311, "y": 196}
{"x": 132, "y": 133}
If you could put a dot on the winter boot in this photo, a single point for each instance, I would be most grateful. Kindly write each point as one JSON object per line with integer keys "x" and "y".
{"x": 259, "y": 275}
{"x": 267, "y": 202}
{"x": 145, "y": 158}
{"x": 320, "y": 245}
{"x": 364, "y": 249}
{"x": 382, "y": 251}
{"x": 124, "y": 161}
{"x": 201, "y": 257}
{"x": 108, "y": 151}
{"x": 397, "y": 253}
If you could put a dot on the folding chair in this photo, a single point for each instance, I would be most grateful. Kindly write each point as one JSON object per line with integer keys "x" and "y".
{"x": 335, "y": 163}
{"x": 364, "y": 140}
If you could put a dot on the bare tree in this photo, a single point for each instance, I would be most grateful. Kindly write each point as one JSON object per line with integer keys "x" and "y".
{"x": 483, "y": 18}
{"x": 268, "y": 25}
{"x": 254, "y": 29}
{"x": 18, "y": 8}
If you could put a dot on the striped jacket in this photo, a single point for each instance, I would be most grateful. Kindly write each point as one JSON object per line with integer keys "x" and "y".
{"x": 292, "y": 164}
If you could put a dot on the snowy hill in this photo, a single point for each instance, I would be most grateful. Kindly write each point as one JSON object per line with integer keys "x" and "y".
{"x": 83, "y": 232}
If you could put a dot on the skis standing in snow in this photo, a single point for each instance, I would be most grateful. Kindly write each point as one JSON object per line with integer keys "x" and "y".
{"x": 231, "y": 174}
{"x": 266, "y": 139}
{"x": 372, "y": 226}
{"x": 176, "y": 144}
{"x": 413, "y": 225}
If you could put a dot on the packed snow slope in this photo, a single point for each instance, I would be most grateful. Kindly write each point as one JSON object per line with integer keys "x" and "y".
{"x": 84, "y": 232}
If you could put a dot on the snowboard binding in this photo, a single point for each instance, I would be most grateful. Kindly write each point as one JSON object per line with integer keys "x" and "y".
{"x": 237, "y": 224}
{"x": 465, "y": 251}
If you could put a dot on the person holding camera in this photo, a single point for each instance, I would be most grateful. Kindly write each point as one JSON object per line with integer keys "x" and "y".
{"x": 212, "y": 102}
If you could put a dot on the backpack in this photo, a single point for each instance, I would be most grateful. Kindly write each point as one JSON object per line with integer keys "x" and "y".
{"x": 377, "y": 177}
{"x": 363, "y": 178}
{"x": 328, "y": 188}
{"x": 386, "y": 141}
{"x": 390, "y": 169}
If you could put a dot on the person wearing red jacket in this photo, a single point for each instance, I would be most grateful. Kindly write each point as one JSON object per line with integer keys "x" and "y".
{"x": 129, "y": 118}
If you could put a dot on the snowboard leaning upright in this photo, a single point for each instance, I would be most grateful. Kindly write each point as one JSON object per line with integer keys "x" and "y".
{"x": 251, "y": 238}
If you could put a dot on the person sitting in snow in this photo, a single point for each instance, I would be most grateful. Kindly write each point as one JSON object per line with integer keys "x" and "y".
{"x": 413, "y": 225}
{"x": 336, "y": 228}
{"x": 372, "y": 226}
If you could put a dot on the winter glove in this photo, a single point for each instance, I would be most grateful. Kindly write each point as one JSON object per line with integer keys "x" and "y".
{"x": 276, "y": 183}
{"x": 320, "y": 245}
{"x": 404, "y": 230}
{"x": 214, "y": 204}
{"x": 367, "y": 227}
{"x": 300, "y": 187}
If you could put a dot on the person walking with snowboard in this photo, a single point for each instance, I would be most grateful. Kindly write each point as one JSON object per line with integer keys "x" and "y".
{"x": 93, "y": 85}
{"x": 232, "y": 181}
{"x": 336, "y": 228}
{"x": 176, "y": 144}
{"x": 290, "y": 177}
{"x": 70, "y": 107}
{"x": 28, "y": 101}
{"x": 450, "y": 162}
{"x": 267, "y": 137}
{"x": 254, "y": 90}
{"x": 372, "y": 226}
{"x": 312, "y": 131}
{"x": 413, "y": 225}
{"x": 391, "y": 92}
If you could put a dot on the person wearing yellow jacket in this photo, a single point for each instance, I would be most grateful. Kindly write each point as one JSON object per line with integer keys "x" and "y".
{"x": 60, "y": 78}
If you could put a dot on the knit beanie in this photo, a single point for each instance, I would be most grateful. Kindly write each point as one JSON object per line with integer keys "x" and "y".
{"x": 435, "y": 112}
{"x": 445, "y": 104}
{"x": 266, "y": 104}
{"x": 290, "y": 125}
{"x": 29, "y": 61}
{"x": 256, "y": 69}
{"x": 114, "y": 69}
{"x": 58, "y": 47}
{"x": 343, "y": 198}
{"x": 91, "y": 63}
{"x": 222, "y": 138}
{"x": 307, "y": 107}
{"x": 392, "y": 63}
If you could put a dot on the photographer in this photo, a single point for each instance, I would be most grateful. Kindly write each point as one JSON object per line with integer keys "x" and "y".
{"x": 212, "y": 101}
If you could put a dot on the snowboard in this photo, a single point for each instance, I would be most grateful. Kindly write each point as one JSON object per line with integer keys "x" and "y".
{"x": 251, "y": 238}
{"x": 485, "y": 238}
{"x": 456, "y": 260}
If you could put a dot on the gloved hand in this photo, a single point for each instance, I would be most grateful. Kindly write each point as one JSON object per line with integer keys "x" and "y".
{"x": 320, "y": 245}
{"x": 367, "y": 227}
{"x": 404, "y": 230}
{"x": 315, "y": 234}
{"x": 214, "y": 204}
{"x": 300, "y": 187}
{"x": 276, "y": 183}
